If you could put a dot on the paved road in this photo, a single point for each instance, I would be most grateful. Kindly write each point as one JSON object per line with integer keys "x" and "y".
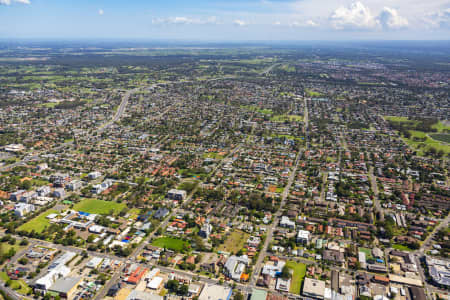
{"x": 120, "y": 110}
{"x": 426, "y": 243}
{"x": 133, "y": 257}
{"x": 258, "y": 265}
{"x": 269, "y": 69}
{"x": 374, "y": 186}
{"x": 263, "y": 253}
{"x": 11, "y": 293}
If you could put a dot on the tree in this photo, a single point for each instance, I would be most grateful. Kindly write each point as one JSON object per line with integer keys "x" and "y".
{"x": 90, "y": 238}
{"x": 172, "y": 286}
{"x": 238, "y": 296}
{"x": 183, "y": 290}
{"x": 286, "y": 272}
{"x": 23, "y": 261}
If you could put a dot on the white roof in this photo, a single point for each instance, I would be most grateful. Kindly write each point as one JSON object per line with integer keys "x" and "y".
{"x": 215, "y": 292}
{"x": 94, "y": 262}
{"x": 51, "y": 216}
{"x": 155, "y": 283}
{"x": 303, "y": 234}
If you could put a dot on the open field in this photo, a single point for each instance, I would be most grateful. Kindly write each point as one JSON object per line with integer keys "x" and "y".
{"x": 297, "y": 277}
{"x": 442, "y": 137}
{"x": 288, "y": 68}
{"x": 234, "y": 242}
{"x": 18, "y": 285}
{"x": 287, "y": 136}
{"x": 282, "y": 118}
{"x": 423, "y": 146}
{"x": 213, "y": 155}
{"x": 6, "y": 247}
{"x": 170, "y": 243}
{"x": 421, "y": 141}
{"x": 100, "y": 207}
{"x": 134, "y": 213}
{"x": 401, "y": 247}
{"x": 367, "y": 251}
{"x": 311, "y": 93}
{"x": 398, "y": 119}
{"x": 39, "y": 223}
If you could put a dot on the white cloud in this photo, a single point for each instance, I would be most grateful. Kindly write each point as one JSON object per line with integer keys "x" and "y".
{"x": 240, "y": 23}
{"x": 311, "y": 23}
{"x": 356, "y": 16}
{"x": 185, "y": 21}
{"x": 8, "y": 2}
{"x": 359, "y": 17}
{"x": 438, "y": 20}
{"x": 308, "y": 23}
{"x": 101, "y": 12}
{"x": 390, "y": 19}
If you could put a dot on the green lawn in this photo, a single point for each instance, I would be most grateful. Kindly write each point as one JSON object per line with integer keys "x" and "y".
{"x": 213, "y": 155}
{"x": 100, "y": 207}
{"x": 287, "y": 68}
{"x": 421, "y": 147}
{"x": 134, "y": 213}
{"x": 39, "y": 223}
{"x": 297, "y": 277}
{"x": 435, "y": 140}
{"x": 265, "y": 111}
{"x": 442, "y": 137}
{"x": 18, "y": 285}
{"x": 5, "y": 247}
{"x": 286, "y": 136}
{"x": 282, "y": 118}
{"x": 170, "y": 243}
{"x": 367, "y": 251}
{"x": 234, "y": 242}
{"x": 401, "y": 247}
{"x": 312, "y": 93}
{"x": 399, "y": 119}
{"x": 441, "y": 127}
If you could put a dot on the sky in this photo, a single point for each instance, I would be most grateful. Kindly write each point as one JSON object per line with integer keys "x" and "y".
{"x": 226, "y": 20}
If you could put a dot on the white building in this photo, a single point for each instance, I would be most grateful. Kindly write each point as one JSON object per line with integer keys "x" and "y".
{"x": 174, "y": 194}
{"x": 235, "y": 266}
{"x": 21, "y": 209}
{"x": 286, "y": 222}
{"x": 303, "y": 236}
{"x": 59, "y": 193}
{"x": 94, "y": 175}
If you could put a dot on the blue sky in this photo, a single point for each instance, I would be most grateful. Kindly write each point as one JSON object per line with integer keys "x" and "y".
{"x": 226, "y": 20}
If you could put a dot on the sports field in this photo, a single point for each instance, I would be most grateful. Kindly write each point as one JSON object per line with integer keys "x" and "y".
{"x": 38, "y": 223}
{"x": 100, "y": 207}
{"x": 170, "y": 243}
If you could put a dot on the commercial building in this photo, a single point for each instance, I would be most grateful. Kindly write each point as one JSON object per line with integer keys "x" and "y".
{"x": 174, "y": 194}
{"x": 65, "y": 287}
{"x": 215, "y": 292}
{"x": 439, "y": 271}
{"x": 155, "y": 283}
{"x": 314, "y": 288}
{"x": 235, "y": 266}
